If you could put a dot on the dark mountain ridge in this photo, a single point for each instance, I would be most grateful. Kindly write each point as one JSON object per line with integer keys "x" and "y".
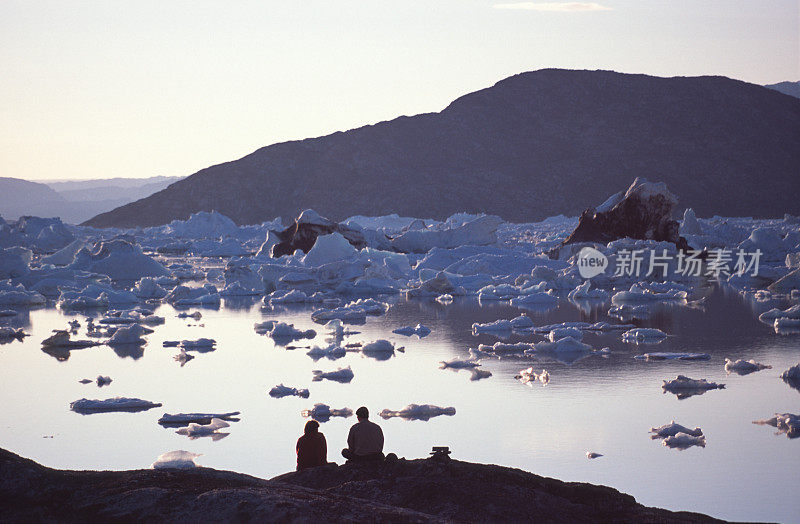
{"x": 533, "y": 145}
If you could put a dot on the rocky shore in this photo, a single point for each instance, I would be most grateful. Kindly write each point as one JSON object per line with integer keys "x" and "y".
{"x": 422, "y": 490}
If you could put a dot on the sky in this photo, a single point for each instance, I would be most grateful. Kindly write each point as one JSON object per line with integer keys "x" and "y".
{"x": 106, "y": 88}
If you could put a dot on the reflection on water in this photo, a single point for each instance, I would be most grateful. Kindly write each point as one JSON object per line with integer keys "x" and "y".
{"x": 602, "y": 403}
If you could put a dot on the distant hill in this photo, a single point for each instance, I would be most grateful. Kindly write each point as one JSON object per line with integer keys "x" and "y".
{"x": 74, "y": 201}
{"x": 533, "y": 145}
{"x": 787, "y": 88}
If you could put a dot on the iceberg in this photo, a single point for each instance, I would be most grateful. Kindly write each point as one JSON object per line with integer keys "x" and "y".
{"x": 480, "y": 231}
{"x": 119, "y": 259}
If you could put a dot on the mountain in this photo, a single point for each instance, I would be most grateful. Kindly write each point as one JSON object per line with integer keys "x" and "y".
{"x": 20, "y": 197}
{"x": 787, "y": 88}
{"x": 76, "y": 200}
{"x": 533, "y": 145}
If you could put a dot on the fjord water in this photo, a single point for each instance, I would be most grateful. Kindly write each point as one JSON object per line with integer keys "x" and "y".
{"x": 604, "y": 404}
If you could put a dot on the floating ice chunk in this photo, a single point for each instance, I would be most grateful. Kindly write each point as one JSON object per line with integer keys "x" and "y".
{"x": 95, "y": 296}
{"x": 329, "y": 248}
{"x": 592, "y": 455}
{"x": 7, "y": 313}
{"x": 519, "y": 323}
{"x": 184, "y": 419}
{"x": 639, "y": 294}
{"x": 562, "y": 346}
{"x": 420, "y": 330}
{"x": 85, "y": 381}
{"x": 380, "y": 349}
{"x": 61, "y": 339}
{"x": 685, "y": 387}
{"x": 480, "y": 231}
{"x": 528, "y": 375}
{"x": 769, "y": 317}
{"x": 583, "y": 291}
{"x": 284, "y": 332}
{"x": 629, "y": 312}
{"x": 14, "y": 262}
{"x": 17, "y": 295}
{"x": 331, "y": 352}
{"x": 418, "y": 412}
{"x": 8, "y": 334}
{"x": 672, "y": 429}
{"x": 583, "y": 326}
{"x": 286, "y": 296}
{"x": 323, "y": 412}
{"x": 203, "y": 345}
{"x": 684, "y": 441}
{"x": 85, "y": 406}
{"x": 196, "y": 315}
{"x": 457, "y": 364}
{"x": 787, "y": 326}
{"x": 644, "y": 336}
{"x": 559, "y": 333}
{"x": 436, "y": 286}
{"x": 344, "y": 313}
{"x": 535, "y": 300}
{"x": 744, "y": 367}
{"x": 103, "y": 381}
{"x": 479, "y": 374}
{"x": 195, "y": 430}
{"x": 119, "y": 259}
{"x": 690, "y": 224}
{"x": 183, "y": 357}
{"x": 792, "y": 376}
{"x": 500, "y": 349}
{"x": 194, "y": 296}
{"x": 65, "y": 255}
{"x": 281, "y": 391}
{"x": 445, "y": 299}
{"x": 176, "y": 460}
{"x": 673, "y": 356}
{"x": 343, "y": 375}
{"x": 129, "y": 335}
{"x": 787, "y": 423}
{"x": 148, "y": 288}
{"x": 787, "y": 283}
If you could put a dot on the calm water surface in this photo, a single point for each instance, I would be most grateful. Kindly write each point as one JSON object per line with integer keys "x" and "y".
{"x": 602, "y": 404}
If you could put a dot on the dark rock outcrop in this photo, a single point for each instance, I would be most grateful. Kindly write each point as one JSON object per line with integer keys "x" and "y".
{"x": 534, "y": 145}
{"x": 307, "y": 227}
{"x": 400, "y": 491}
{"x": 644, "y": 211}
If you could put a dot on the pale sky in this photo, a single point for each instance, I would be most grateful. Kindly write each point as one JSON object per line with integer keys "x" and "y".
{"x": 97, "y": 89}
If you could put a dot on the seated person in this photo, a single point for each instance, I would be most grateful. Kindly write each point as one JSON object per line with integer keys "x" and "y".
{"x": 365, "y": 440}
{"x": 312, "y": 450}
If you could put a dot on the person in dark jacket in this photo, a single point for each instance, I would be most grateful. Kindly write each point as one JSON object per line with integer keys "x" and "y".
{"x": 312, "y": 450}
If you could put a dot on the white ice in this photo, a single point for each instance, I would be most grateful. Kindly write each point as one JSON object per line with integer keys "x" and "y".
{"x": 343, "y": 375}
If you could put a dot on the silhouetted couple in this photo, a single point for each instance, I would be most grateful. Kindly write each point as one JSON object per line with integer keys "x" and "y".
{"x": 364, "y": 443}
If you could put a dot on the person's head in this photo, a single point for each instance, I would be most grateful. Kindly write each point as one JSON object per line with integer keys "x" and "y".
{"x": 312, "y": 426}
{"x": 362, "y": 413}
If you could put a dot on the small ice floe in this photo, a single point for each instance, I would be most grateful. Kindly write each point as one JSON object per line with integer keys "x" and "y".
{"x": 420, "y": 330}
{"x": 559, "y": 333}
{"x": 8, "y": 334}
{"x": 183, "y": 295}
{"x": 331, "y": 352}
{"x": 784, "y": 322}
{"x": 479, "y": 374}
{"x": 418, "y": 412}
{"x": 356, "y": 311}
{"x": 627, "y": 312}
{"x": 786, "y": 423}
{"x": 744, "y": 367}
{"x": 343, "y": 375}
{"x": 567, "y": 349}
{"x": 792, "y": 376}
{"x": 103, "y": 381}
{"x": 457, "y": 364}
{"x": 281, "y": 391}
{"x": 583, "y": 326}
{"x": 584, "y": 292}
{"x": 323, "y": 412}
{"x": 61, "y": 339}
{"x": 184, "y": 419}
{"x": 787, "y": 326}
{"x": 644, "y": 336}
{"x": 7, "y": 313}
{"x": 195, "y": 430}
{"x": 672, "y": 429}
{"x": 176, "y": 460}
{"x": 683, "y": 441}
{"x": 591, "y": 454}
{"x": 519, "y": 323}
{"x": 685, "y": 387}
{"x": 380, "y": 349}
{"x": 445, "y": 299}
{"x": 639, "y": 294}
{"x": 183, "y": 357}
{"x": 74, "y": 325}
{"x": 501, "y": 349}
{"x": 196, "y": 315}
{"x": 538, "y": 300}
{"x": 129, "y": 335}
{"x": 672, "y": 356}
{"x": 86, "y": 406}
{"x": 281, "y": 332}
{"x": 528, "y": 376}
{"x": 201, "y": 345}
